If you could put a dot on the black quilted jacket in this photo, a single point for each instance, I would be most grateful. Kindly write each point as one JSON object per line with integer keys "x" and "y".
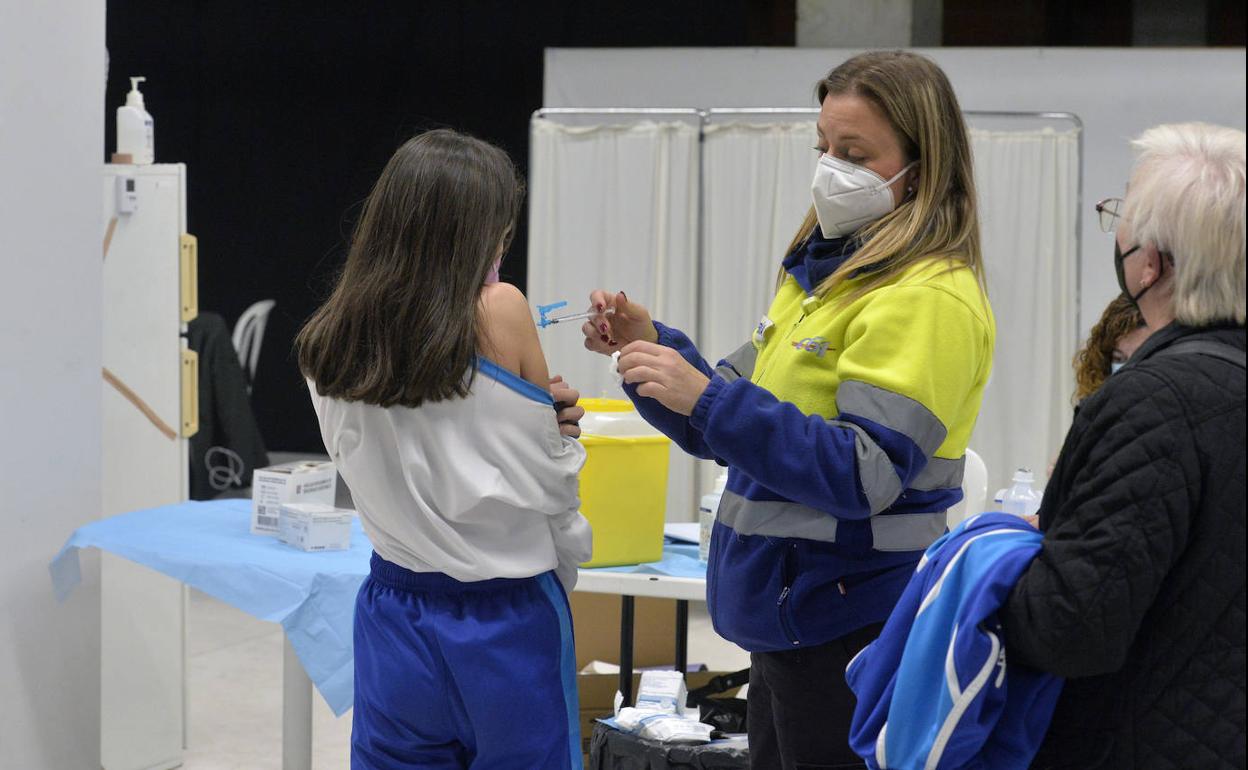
{"x": 1137, "y": 596}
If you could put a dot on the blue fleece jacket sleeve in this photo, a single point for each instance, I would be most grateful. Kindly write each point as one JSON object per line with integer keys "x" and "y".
{"x": 803, "y": 457}
{"x": 674, "y": 425}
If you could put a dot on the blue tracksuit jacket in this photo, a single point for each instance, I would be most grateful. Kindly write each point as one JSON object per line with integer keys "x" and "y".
{"x": 935, "y": 691}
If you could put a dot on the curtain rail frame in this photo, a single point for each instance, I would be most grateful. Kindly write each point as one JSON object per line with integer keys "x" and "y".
{"x": 706, "y": 115}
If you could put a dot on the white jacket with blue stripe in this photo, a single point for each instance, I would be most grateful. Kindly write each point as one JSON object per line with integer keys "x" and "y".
{"x": 478, "y": 487}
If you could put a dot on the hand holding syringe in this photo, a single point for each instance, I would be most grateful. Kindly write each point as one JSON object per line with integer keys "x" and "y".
{"x": 610, "y": 323}
{"x": 546, "y": 320}
{"x": 545, "y": 310}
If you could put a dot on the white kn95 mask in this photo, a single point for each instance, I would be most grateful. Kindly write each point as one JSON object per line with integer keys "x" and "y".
{"x": 848, "y": 196}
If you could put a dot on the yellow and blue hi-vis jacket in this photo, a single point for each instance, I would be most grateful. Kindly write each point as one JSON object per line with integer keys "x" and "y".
{"x": 844, "y": 430}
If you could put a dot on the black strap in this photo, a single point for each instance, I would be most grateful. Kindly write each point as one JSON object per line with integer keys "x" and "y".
{"x": 1211, "y": 348}
{"x": 717, "y": 685}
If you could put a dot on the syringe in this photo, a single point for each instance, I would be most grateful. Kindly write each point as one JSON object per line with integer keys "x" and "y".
{"x": 546, "y": 320}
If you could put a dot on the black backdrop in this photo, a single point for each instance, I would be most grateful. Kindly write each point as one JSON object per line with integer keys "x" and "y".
{"x": 285, "y": 113}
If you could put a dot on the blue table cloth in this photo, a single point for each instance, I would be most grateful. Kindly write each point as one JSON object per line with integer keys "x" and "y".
{"x": 208, "y": 546}
{"x": 679, "y": 560}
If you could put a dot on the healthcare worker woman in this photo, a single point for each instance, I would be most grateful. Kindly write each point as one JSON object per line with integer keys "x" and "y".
{"x": 844, "y": 417}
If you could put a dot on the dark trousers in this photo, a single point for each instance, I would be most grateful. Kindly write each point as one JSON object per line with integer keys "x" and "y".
{"x": 800, "y": 706}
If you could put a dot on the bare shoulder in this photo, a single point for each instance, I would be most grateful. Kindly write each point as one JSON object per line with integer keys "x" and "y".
{"x": 504, "y": 309}
{"x": 508, "y": 334}
{"x": 502, "y": 291}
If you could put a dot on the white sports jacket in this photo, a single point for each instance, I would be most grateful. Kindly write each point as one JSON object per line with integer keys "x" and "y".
{"x": 478, "y": 487}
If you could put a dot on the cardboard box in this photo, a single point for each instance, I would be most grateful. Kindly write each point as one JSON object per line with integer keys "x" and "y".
{"x": 662, "y": 691}
{"x": 315, "y": 527}
{"x": 596, "y": 624}
{"x": 297, "y": 482}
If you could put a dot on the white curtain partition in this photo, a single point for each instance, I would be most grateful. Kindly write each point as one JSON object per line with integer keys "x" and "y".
{"x": 615, "y": 207}
{"x": 1028, "y": 185}
{"x": 618, "y": 207}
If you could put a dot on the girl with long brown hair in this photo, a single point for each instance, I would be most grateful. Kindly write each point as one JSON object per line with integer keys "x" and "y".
{"x": 844, "y": 418}
{"x": 434, "y": 402}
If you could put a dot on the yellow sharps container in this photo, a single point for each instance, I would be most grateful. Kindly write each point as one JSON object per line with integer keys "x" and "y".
{"x": 623, "y": 483}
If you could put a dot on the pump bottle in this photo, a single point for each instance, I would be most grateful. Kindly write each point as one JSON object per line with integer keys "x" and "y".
{"x": 1020, "y": 499}
{"x": 706, "y": 515}
{"x": 135, "y": 127}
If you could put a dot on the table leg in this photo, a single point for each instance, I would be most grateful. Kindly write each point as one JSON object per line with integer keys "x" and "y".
{"x": 296, "y": 711}
{"x": 186, "y": 702}
{"x": 682, "y": 636}
{"x": 626, "y": 649}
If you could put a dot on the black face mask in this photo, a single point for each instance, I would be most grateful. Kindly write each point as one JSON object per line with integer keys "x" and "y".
{"x": 1119, "y": 256}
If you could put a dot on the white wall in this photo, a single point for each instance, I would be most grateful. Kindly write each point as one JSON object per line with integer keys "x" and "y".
{"x": 51, "y": 149}
{"x": 836, "y": 23}
{"x": 1117, "y": 92}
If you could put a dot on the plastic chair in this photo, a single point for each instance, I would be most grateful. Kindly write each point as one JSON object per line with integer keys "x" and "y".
{"x": 974, "y": 490}
{"x": 249, "y": 333}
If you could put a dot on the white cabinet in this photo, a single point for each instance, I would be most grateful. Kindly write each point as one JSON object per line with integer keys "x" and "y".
{"x": 149, "y": 409}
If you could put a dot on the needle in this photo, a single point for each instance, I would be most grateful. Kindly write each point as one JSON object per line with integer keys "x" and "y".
{"x": 546, "y": 320}
{"x": 579, "y": 316}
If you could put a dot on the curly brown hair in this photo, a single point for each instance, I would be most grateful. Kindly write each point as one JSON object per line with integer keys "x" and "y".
{"x": 1092, "y": 363}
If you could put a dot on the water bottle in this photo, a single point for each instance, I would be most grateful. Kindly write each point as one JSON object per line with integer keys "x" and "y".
{"x": 1020, "y": 499}
{"x": 706, "y": 516}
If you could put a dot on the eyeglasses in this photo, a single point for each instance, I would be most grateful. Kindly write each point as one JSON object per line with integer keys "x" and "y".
{"x": 1110, "y": 211}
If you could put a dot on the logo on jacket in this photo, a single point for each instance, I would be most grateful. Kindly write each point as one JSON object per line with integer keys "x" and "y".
{"x": 816, "y": 345}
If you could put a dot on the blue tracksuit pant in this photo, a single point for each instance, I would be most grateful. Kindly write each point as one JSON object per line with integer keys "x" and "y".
{"x": 463, "y": 675}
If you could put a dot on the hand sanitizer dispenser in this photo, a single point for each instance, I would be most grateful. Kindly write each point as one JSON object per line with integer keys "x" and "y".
{"x": 135, "y": 127}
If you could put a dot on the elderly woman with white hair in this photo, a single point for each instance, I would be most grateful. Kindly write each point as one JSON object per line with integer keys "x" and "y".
{"x": 1137, "y": 596}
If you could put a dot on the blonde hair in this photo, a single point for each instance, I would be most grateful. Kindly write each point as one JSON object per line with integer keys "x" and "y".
{"x": 1186, "y": 197}
{"x": 940, "y": 219}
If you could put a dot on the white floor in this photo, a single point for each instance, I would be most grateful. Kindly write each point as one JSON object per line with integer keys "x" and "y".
{"x": 235, "y": 690}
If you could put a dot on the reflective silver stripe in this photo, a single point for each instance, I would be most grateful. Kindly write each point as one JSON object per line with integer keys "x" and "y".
{"x": 940, "y": 473}
{"x": 739, "y": 363}
{"x": 876, "y": 474}
{"x": 889, "y": 532}
{"x": 906, "y": 531}
{"x": 894, "y": 411}
{"x": 775, "y": 519}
